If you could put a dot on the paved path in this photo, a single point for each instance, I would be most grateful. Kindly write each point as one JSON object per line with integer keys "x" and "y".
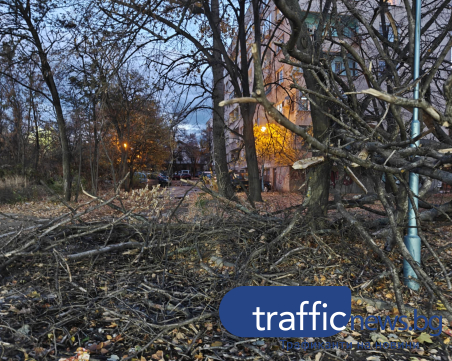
{"x": 179, "y": 191}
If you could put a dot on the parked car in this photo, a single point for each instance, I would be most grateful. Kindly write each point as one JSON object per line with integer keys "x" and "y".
{"x": 240, "y": 181}
{"x": 198, "y": 174}
{"x": 208, "y": 175}
{"x": 164, "y": 180}
{"x": 154, "y": 175}
{"x": 141, "y": 176}
{"x": 185, "y": 174}
{"x": 176, "y": 176}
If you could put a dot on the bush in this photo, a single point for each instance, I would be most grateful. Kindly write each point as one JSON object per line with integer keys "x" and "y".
{"x": 15, "y": 189}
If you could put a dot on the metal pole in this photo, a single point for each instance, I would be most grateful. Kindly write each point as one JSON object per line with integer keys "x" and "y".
{"x": 412, "y": 240}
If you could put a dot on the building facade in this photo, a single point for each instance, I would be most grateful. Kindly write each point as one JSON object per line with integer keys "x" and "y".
{"x": 276, "y": 163}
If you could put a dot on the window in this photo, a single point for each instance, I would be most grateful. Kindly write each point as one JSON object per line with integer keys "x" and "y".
{"x": 267, "y": 23}
{"x": 279, "y": 107}
{"x": 389, "y": 32}
{"x": 278, "y": 39}
{"x": 232, "y": 94}
{"x": 303, "y": 102}
{"x": 279, "y": 77}
{"x": 381, "y": 67}
{"x": 338, "y": 67}
{"x": 234, "y": 115}
{"x": 311, "y": 30}
{"x": 353, "y": 67}
{"x": 268, "y": 89}
{"x": 279, "y": 14}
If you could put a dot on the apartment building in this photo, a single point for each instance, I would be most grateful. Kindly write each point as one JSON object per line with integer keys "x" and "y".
{"x": 292, "y": 103}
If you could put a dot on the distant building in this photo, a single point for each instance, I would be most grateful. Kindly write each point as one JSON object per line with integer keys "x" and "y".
{"x": 294, "y": 104}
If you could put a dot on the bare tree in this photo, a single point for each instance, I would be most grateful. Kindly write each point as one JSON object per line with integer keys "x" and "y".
{"x": 22, "y": 26}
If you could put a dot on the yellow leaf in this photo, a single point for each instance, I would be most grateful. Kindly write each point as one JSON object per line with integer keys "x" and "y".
{"x": 440, "y": 306}
{"x": 109, "y": 337}
{"x": 73, "y": 339}
{"x": 447, "y": 341}
{"x": 216, "y": 344}
{"x": 424, "y": 337}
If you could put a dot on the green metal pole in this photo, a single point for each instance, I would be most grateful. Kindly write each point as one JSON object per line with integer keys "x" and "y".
{"x": 412, "y": 240}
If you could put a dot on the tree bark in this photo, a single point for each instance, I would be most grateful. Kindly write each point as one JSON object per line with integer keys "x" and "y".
{"x": 219, "y": 144}
{"x": 250, "y": 151}
{"x": 47, "y": 74}
{"x": 248, "y": 109}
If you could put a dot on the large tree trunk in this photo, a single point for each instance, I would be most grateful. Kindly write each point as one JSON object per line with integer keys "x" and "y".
{"x": 248, "y": 111}
{"x": 50, "y": 82}
{"x": 318, "y": 177}
{"x": 250, "y": 151}
{"x": 219, "y": 144}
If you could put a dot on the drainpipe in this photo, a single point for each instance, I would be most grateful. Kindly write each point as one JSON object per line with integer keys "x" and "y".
{"x": 412, "y": 240}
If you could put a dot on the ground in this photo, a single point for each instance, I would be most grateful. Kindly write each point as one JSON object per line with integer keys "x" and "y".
{"x": 159, "y": 301}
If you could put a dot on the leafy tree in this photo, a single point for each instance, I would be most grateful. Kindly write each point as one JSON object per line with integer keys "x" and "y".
{"x": 278, "y": 144}
{"x": 141, "y": 135}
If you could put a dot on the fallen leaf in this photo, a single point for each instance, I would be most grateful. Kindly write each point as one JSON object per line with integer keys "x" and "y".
{"x": 378, "y": 337}
{"x": 424, "y": 337}
{"x": 216, "y": 344}
{"x": 350, "y": 339}
{"x": 158, "y": 355}
{"x": 440, "y": 306}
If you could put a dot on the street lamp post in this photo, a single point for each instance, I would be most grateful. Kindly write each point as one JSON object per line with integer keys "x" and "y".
{"x": 263, "y": 129}
{"x": 412, "y": 240}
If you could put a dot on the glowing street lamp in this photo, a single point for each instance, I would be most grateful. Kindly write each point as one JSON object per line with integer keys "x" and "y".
{"x": 125, "y": 145}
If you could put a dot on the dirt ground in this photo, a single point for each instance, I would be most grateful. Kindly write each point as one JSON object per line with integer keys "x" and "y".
{"x": 116, "y": 305}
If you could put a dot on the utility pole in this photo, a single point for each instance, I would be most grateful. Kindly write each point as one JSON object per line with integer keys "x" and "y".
{"x": 412, "y": 240}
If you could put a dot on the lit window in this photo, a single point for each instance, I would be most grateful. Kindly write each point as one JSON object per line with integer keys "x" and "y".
{"x": 279, "y": 107}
